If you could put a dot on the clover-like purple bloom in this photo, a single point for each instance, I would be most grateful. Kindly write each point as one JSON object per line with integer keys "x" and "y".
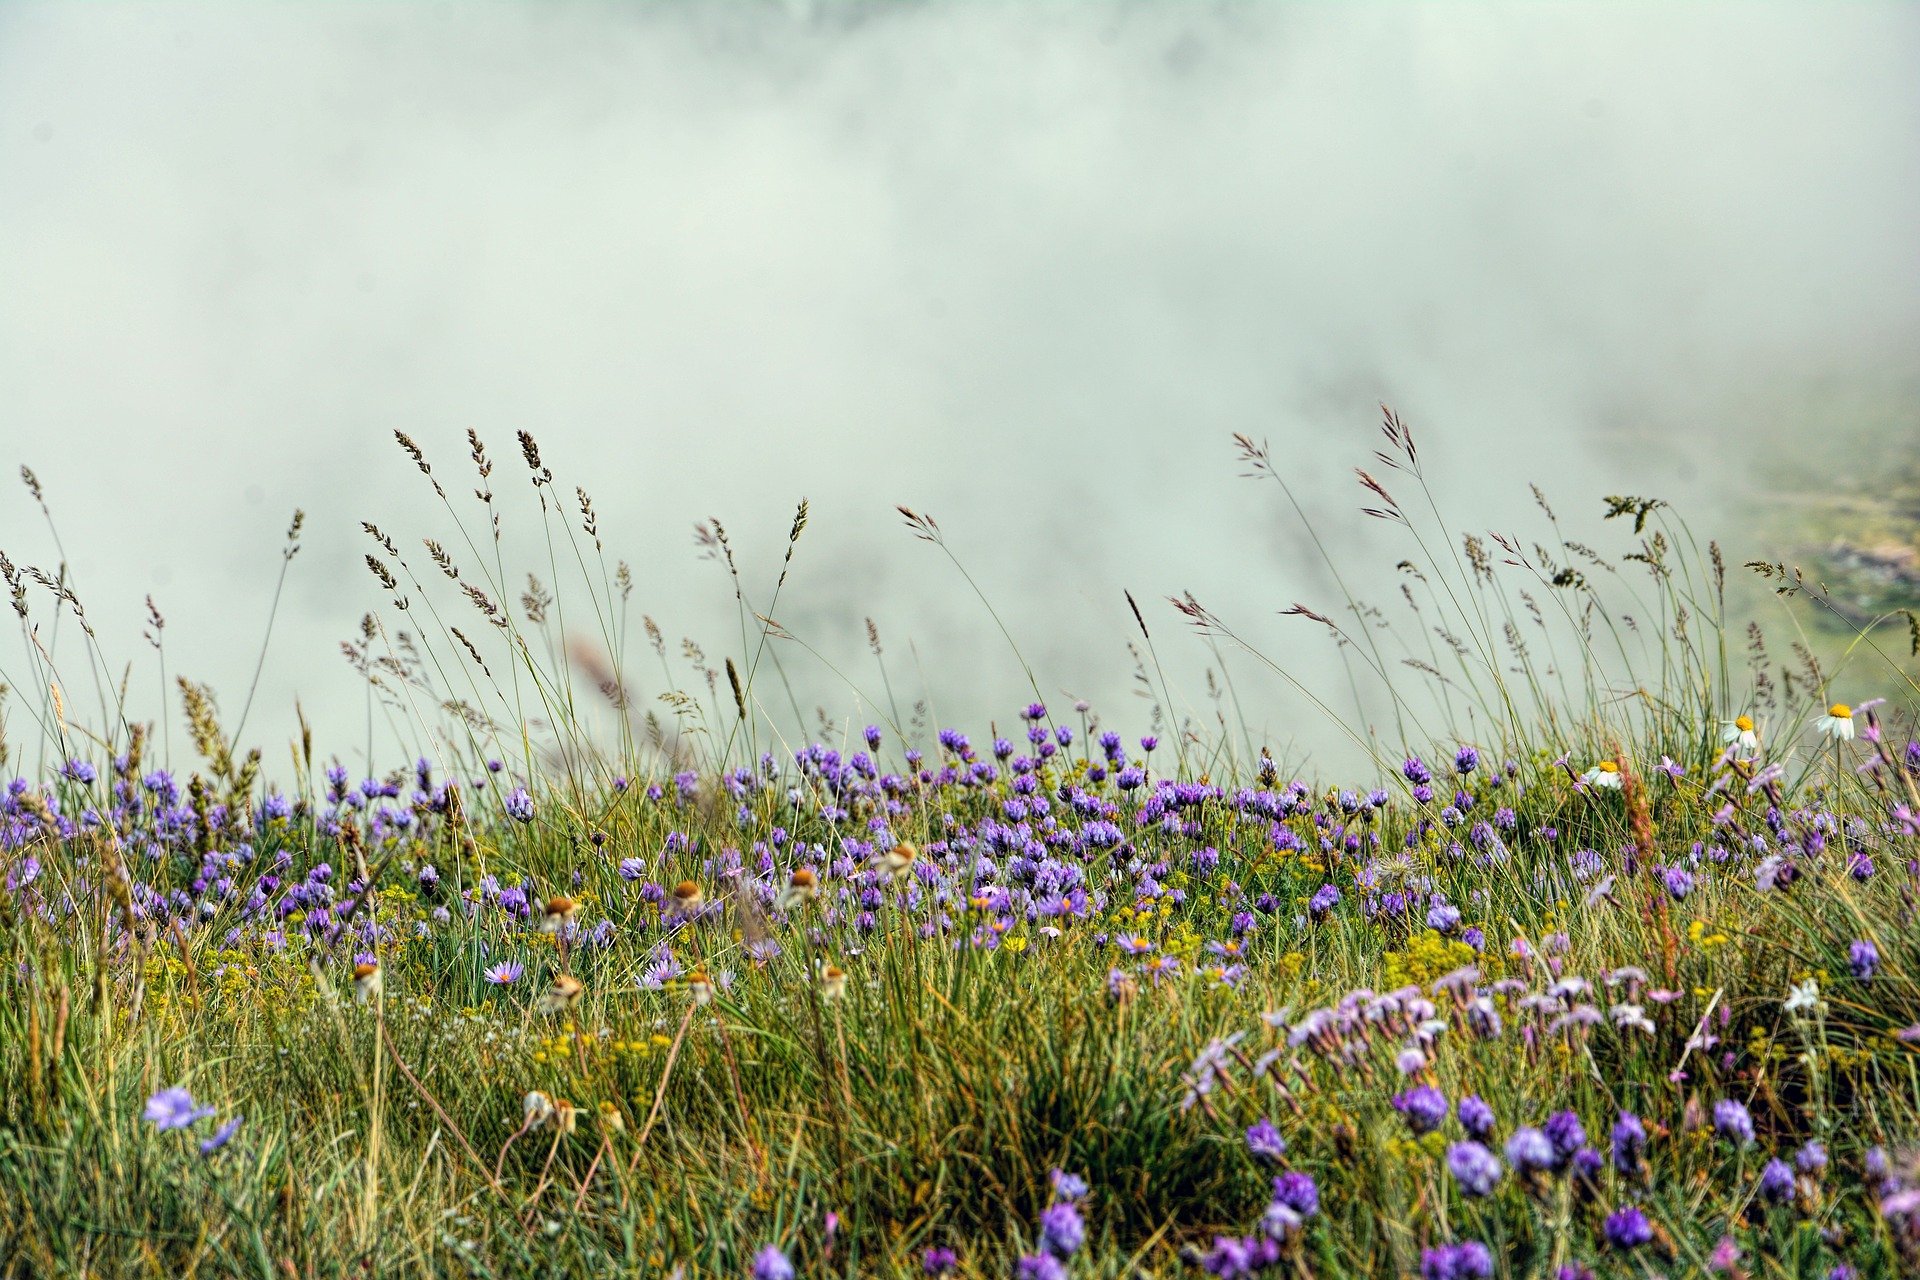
{"x": 1468, "y": 1260}
{"x": 1040, "y": 1266}
{"x": 1475, "y": 1168}
{"x": 1424, "y": 1107}
{"x": 1732, "y": 1121}
{"x": 771, "y": 1264}
{"x": 1298, "y": 1192}
{"x": 1627, "y": 1228}
{"x": 1863, "y": 958}
{"x": 1476, "y": 1117}
{"x": 1265, "y": 1141}
{"x": 1629, "y": 1140}
{"x": 1776, "y": 1182}
{"x": 1061, "y": 1230}
{"x": 1566, "y": 1133}
{"x": 1530, "y": 1151}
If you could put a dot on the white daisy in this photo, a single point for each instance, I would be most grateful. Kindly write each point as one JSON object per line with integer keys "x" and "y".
{"x": 1740, "y": 734}
{"x": 1837, "y": 723}
{"x": 1605, "y": 774}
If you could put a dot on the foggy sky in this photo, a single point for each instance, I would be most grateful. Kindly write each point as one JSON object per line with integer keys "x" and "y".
{"x": 1025, "y": 267}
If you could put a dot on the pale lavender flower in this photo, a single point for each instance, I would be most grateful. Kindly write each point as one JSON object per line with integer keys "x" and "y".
{"x": 220, "y": 1137}
{"x": 173, "y": 1109}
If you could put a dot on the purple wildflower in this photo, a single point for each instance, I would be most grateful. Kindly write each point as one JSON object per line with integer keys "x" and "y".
{"x": 1476, "y": 1117}
{"x": 771, "y": 1264}
{"x": 1776, "y": 1182}
{"x": 1529, "y": 1151}
{"x": 1265, "y": 1141}
{"x": 1068, "y": 1186}
{"x": 1468, "y": 1260}
{"x": 173, "y": 1109}
{"x": 1062, "y": 1231}
{"x": 1424, "y": 1107}
{"x": 1629, "y": 1140}
{"x": 1298, "y": 1192}
{"x": 1475, "y": 1168}
{"x": 1863, "y": 958}
{"x": 1627, "y": 1228}
{"x": 220, "y": 1136}
{"x": 1040, "y": 1266}
{"x": 1566, "y": 1133}
{"x": 1732, "y": 1121}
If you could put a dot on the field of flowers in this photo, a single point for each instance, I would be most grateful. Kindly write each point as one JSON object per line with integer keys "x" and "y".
{"x": 1608, "y": 967}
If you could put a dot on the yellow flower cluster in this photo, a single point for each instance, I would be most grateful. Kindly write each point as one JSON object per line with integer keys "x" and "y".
{"x": 1698, "y": 933}
{"x": 1183, "y": 942}
{"x": 1428, "y": 956}
{"x": 1127, "y": 916}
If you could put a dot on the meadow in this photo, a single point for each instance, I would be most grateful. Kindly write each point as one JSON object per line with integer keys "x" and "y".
{"x": 1605, "y": 965}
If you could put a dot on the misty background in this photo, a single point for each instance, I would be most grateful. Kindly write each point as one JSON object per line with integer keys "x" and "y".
{"x": 1024, "y": 267}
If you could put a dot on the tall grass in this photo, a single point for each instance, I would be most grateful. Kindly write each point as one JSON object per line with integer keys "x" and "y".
{"x": 858, "y": 997}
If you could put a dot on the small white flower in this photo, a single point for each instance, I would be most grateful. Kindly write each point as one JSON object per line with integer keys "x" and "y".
{"x": 1631, "y": 1015}
{"x": 1740, "y": 734}
{"x": 1605, "y": 774}
{"x": 1837, "y": 723}
{"x": 1804, "y": 996}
